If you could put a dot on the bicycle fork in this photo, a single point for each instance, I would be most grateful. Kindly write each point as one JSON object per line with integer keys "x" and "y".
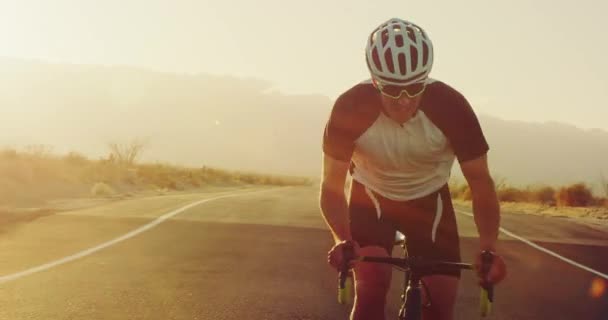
{"x": 411, "y": 308}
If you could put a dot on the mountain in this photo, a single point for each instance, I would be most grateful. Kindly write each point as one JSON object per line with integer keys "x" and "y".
{"x": 524, "y": 153}
{"x": 235, "y": 123}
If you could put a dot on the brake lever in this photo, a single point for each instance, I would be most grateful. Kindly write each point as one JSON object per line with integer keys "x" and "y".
{"x": 487, "y": 258}
{"x": 348, "y": 255}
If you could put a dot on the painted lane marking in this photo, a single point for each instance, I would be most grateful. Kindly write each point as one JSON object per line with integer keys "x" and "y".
{"x": 126, "y": 236}
{"x": 545, "y": 250}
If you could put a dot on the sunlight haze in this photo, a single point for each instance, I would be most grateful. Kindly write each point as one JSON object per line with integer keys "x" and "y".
{"x": 520, "y": 60}
{"x": 186, "y": 159}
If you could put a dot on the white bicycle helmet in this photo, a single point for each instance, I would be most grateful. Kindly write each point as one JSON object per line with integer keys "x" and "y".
{"x": 399, "y": 53}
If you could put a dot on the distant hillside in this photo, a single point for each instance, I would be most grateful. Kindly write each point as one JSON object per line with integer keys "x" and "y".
{"x": 553, "y": 153}
{"x": 240, "y": 124}
{"x": 187, "y": 119}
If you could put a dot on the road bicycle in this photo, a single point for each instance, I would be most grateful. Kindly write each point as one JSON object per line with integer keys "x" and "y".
{"x": 414, "y": 268}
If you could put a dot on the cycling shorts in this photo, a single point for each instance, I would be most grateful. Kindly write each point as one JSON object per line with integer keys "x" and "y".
{"x": 428, "y": 223}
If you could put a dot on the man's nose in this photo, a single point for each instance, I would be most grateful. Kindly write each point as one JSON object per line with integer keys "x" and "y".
{"x": 404, "y": 101}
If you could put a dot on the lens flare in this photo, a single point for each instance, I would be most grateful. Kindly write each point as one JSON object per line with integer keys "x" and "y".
{"x": 598, "y": 288}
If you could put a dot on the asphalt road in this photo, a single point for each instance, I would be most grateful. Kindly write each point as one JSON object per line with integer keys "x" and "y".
{"x": 260, "y": 256}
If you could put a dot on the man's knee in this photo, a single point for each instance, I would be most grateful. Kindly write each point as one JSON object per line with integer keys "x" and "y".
{"x": 443, "y": 290}
{"x": 372, "y": 279}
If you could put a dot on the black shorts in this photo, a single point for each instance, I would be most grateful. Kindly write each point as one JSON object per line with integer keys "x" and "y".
{"x": 428, "y": 223}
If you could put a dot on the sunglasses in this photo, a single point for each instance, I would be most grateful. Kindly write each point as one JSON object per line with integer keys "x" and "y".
{"x": 395, "y": 92}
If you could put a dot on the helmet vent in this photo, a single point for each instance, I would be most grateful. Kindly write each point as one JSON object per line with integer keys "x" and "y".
{"x": 399, "y": 40}
{"x": 388, "y": 57}
{"x": 413, "y": 58}
{"x": 425, "y": 54}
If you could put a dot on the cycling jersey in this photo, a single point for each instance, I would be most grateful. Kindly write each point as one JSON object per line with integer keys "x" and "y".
{"x": 403, "y": 161}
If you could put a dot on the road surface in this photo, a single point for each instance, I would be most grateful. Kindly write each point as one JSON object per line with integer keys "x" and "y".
{"x": 261, "y": 255}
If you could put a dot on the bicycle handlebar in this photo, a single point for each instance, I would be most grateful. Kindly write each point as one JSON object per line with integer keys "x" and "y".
{"x": 417, "y": 263}
{"x": 420, "y": 265}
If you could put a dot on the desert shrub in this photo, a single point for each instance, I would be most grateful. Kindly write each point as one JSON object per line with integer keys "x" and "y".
{"x": 38, "y": 151}
{"x": 544, "y": 195}
{"x": 457, "y": 189}
{"x": 104, "y": 171}
{"x": 161, "y": 175}
{"x": 101, "y": 189}
{"x": 76, "y": 159}
{"x": 464, "y": 192}
{"x": 126, "y": 153}
{"x": 576, "y": 195}
{"x": 598, "y": 202}
{"x": 9, "y": 154}
{"x": 511, "y": 194}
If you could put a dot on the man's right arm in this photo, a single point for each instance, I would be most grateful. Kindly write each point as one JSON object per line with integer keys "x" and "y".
{"x": 333, "y": 199}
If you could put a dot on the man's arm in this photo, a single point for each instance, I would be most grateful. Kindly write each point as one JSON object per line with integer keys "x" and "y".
{"x": 332, "y": 198}
{"x": 486, "y": 209}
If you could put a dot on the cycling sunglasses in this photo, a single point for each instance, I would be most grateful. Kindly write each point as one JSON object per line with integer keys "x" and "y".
{"x": 395, "y": 91}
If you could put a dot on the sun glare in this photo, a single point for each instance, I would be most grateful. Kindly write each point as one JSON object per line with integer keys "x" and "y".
{"x": 597, "y": 288}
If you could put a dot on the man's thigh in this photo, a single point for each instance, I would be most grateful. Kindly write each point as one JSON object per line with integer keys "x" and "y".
{"x": 367, "y": 228}
{"x": 443, "y": 290}
{"x": 429, "y": 225}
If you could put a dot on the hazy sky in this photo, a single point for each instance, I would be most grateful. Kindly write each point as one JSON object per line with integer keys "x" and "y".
{"x": 528, "y": 60}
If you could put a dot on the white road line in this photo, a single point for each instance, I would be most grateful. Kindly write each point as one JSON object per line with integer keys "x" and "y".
{"x": 545, "y": 250}
{"x": 131, "y": 234}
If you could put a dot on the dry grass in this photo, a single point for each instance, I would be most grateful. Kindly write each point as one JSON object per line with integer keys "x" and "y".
{"x": 575, "y": 195}
{"x": 35, "y": 175}
{"x": 573, "y": 201}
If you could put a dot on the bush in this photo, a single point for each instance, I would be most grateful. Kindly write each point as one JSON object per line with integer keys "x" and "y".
{"x": 9, "y": 154}
{"x": 101, "y": 189}
{"x": 76, "y": 159}
{"x": 511, "y": 194}
{"x": 39, "y": 151}
{"x": 599, "y": 202}
{"x": 462, "y": 192}
{"x": 544, "y": 195}
{"x": 162, "y": 191}
{"x": 576, "y": 195}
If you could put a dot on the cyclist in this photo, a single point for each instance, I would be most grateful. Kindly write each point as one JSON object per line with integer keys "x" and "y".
{"x": 398, "y": 135}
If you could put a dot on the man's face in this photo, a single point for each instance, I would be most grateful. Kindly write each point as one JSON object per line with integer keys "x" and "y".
{"x": 400, "y": 102}
{"x": 401, "y": 109}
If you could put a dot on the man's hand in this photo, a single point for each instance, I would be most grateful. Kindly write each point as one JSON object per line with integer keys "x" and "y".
{"x": 335, "y": 256}
{"x": 496, "y": 273}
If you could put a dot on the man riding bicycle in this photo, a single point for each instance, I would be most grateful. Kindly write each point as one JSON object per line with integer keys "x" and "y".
{"x": 398, "y": 135}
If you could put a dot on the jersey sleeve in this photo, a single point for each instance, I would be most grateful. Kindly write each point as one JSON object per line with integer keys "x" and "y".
{"x": 467, "y": 139}
{"x": 455, "y": 117}
{"x": 339, "y": 135}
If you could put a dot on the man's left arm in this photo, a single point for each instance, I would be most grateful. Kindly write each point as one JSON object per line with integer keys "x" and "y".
{"x": 459, "y": 124}
{"x": 486, "y": 208}
{"x": 486, "y": 212}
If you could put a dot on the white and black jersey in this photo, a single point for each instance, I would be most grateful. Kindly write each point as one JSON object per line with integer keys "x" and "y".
{"x": 408, "y": 161}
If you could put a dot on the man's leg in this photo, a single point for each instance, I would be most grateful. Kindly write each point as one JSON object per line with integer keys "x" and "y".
{"x": 372, "y": 282}
{"x": 431, "y": 230}
{"x": 376, "y": 237}
{"x": 443, "y": 290}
